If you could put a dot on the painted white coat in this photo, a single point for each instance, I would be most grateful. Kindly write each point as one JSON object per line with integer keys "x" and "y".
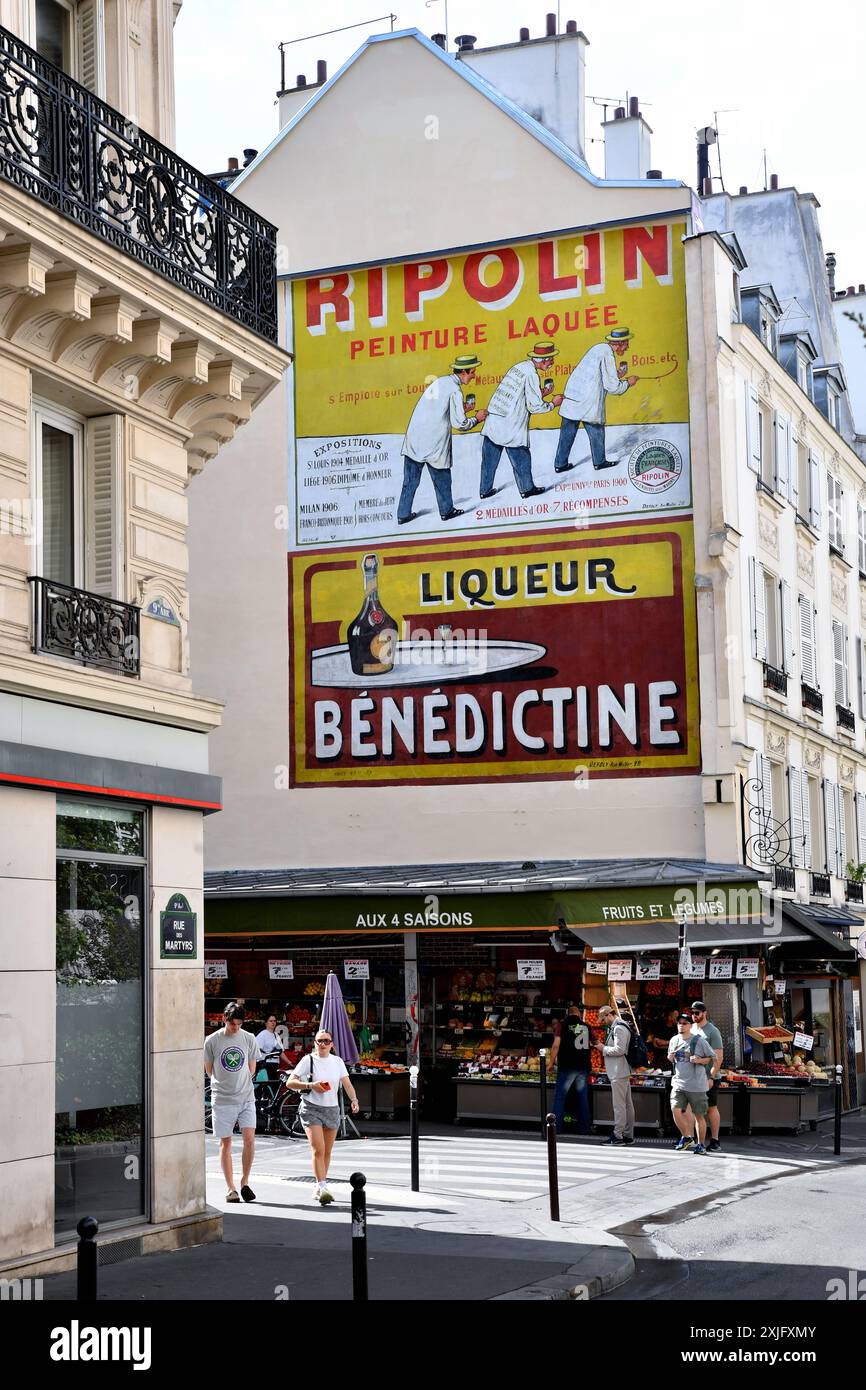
{"x": 440, "y": 409}
{"x": 516, "y": 398}
{"x": 594, "y": 377}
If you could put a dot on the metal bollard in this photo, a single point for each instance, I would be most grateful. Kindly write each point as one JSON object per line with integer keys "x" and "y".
{"x": 542, "y": 1078}
{"x": 837, "y": 1115}
{"x": 552, "y": 1174}
{"x": 359, "y": 1238}
{"x": 413, "y": 1127}
{"x": 87, "y": 1229}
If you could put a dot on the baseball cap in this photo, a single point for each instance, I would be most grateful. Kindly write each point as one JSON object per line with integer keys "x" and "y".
{"x": 699, "y": 1004}
{"x": 684, "y": 1018}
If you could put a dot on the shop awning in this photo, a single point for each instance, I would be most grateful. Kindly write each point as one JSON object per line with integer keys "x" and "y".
{"x": 798, "y": 924}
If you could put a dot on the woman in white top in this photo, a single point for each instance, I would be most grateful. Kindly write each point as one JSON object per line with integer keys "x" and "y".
{"x": 318, "y": 1077}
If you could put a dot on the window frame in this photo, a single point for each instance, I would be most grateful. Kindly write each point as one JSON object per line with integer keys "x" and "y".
{"x": 68, "y": 422}
{"x": 71, "y": 65}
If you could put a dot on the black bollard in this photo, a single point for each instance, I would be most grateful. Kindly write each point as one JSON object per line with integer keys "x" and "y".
{"x": 552, "y": 1174}
{"x": 87, "y": 1229}
{"x": 359, "y": 1238}
{"x": 413, "y": 1128}
{"x": 542, "y": 1077}
{"x": 837, "y": 1115}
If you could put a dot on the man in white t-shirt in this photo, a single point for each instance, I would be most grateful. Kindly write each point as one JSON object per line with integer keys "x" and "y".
{"x": 318, "y": 1077}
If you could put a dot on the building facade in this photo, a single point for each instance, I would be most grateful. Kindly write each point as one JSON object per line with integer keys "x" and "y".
{"x": 137, "y": 333}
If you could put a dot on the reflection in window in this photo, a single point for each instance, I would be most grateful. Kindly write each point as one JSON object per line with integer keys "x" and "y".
{"x": 99, "y": 829}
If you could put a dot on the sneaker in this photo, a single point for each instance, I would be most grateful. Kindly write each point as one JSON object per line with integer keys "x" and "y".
{"x": 699, "y": 1149}
{"x": 626, "y": 1140}
{"x": 682, "y": 1145}
{"x": 317, "y": 1193}
{"x": 325, "y": 1197}
{"x": 713, "y": 1146}
{"x": 613, "y": 1139}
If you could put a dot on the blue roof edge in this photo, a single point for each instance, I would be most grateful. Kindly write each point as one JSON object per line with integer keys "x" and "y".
{"x": 486, "y": 89}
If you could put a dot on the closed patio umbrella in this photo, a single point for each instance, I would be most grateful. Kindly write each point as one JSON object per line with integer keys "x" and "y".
{"x": 336, "y": 1021}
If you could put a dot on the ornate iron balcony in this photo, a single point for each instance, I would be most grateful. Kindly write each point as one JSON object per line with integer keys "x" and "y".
{"x": 812, "y": 699}
{"x": 820, "y": 885}
{"x": 845, "y": 718}
{"x": 86, "y": 161}
{"x": 853, "y": 891}
{"x": 85, "y": 627}
{"x": 775, "y": 680}
{"x": 784, "y": 878}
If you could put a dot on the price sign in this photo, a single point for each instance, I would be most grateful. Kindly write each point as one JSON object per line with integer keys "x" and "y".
{"x": 596, "y": 967}
{"x": 721, "y": 967}
{"x": 747, "y": 968}
{"x": 698, "y": 969}
{"x": 649, "y": 970}
{"x": 356, "y": 969}
{"x": 281, "y": 970}
{"x": 804, "y": 1040}
{"x": 781, "y": 986}
{"x": 619, "y": 969}
{"x": 216, "y": 969}
{"x": 531, "y": 970}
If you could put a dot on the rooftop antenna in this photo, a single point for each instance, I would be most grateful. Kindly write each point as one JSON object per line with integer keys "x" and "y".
{"x": 725, "y": 111}
{"x": 287, "y": 43}
{"x": 427, "y": 4}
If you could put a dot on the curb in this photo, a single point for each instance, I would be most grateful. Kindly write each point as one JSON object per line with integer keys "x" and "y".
{"x": 599, "y": 1271}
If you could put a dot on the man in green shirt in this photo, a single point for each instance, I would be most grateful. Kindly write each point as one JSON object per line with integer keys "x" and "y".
{"x": 701, "y": 1024}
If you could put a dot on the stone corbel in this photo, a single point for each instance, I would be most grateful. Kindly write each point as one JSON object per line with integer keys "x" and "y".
{"x": 199, "y": 450}
{"x": 189, "y": 365}
{"x": 121, "y": 364}
{"x": 24, "y": 268}
{"x": 111, "y": 320}
{"x": 36, "y": 320}
{"x": 222, "y": 396}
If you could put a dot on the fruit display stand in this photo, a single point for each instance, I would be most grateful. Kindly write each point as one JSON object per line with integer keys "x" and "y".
{"x": 382, "y": 1089}
{"x": 651, "y": 1100}
{"x": 498, "y": 1098}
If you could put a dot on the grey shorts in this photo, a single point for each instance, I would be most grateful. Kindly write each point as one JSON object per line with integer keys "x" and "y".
{"x": 328, "y": 1116}
{"x": 681, "y": 1100}
{"x": 228, "y": 1113}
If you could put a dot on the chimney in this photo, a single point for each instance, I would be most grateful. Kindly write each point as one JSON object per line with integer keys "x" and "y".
{"x": 627, "y": 153}
{"x": 249, "y": 156}
{"x": 861, "y": 289}
{"x": 654, "y": 174}
{"x": 233, "y": 165}
{"x": 850, "y": 290}
{"x": 743, "y": 188}
{"x": 551, "y": 26}
{"x": 321, "y": 72}
{"x": 440, "y": 41}
{"x": 707, "y": 190}
{"x": 545, "y": 77}
{"x": 831, "y": 270}
{"x": 290, "y": 100}
{"x": 571, "y": 27}
{"x": 774, "y": 180}
{"x": 524, "y": 36}
{"x": 465, "y": 42}
{"x": 300, "y": 80}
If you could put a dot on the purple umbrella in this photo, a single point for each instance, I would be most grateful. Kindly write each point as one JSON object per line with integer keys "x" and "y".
{"x": 336, "y": 1020}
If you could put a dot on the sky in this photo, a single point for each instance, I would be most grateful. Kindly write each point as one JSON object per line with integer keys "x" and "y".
{"x": 784, "y": 78}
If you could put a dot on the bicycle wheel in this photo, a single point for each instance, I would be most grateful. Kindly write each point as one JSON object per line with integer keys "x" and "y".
{"x": 208, "y": 1109}
{"x": 287, "y": 1116}
{"x": 264, "y": 1094}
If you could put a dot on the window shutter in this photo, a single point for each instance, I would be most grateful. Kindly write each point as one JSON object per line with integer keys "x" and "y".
{"x": 861, "y": 828}
{"x": 861, "y": 677}
{"x": 765, "y": 773}
{"x": 841, "y": 835}
{"x": 103, "y": 453}
{"x": 793, "y": 468}
{"x": 795, "y": 789}
{"x": 861, "y": 539}
{"x": 830, "y": 816}
{"x": 90, "y": 45}
{"x": 759, "y": 611}
{"x": 753, "y": 430}
{"x": 839, "y": 664}
{"x": 788, "y": 652}
{"x": 807, "y": 820}
{"x": 781, "y": 455}
{"x": 815, "y": 490}
{"x": 807, "y": 642}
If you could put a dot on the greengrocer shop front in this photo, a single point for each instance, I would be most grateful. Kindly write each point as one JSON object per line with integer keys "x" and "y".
{"x": 465, "y": 970}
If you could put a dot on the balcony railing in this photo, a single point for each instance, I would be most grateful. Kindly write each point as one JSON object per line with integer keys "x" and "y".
{"x": 821, "y": 885}
{"x": 845, "y": 718}
{"x": 85, "y": 627}
{"x": 853, "y": 891}
{"x": 775, "y": 680}
{"x": 812, "y": 699}
{"x": 784, "y": 878}
{"x": 86, "y": 161}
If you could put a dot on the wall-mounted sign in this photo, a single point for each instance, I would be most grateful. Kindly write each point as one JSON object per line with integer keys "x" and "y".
{"x": 596, "y": 967}
{"x": 698, "y": 970}
{"x": 281, "y": 970}
{"x": 804, "y": 1040}
{"x": 216, "y": 969}
{"x": 781, "y": 986}
{"x": 531, "y": 970}
{"x": 861, "y": 945}
{"x": 619, "y": 969}
{"x": 721, "y": 967}
{"x": 648, "y": 970}
{"x": 160, "y": 609}
{"x": 356, "y": 969}
{"x": 747, "y": 968}
{"x": 178, "y": 937}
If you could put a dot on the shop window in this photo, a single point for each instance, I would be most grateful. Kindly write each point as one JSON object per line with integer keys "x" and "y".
{"x": 99, "y": 1099}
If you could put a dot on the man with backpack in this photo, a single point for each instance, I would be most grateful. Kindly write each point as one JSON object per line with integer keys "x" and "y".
{"x": 615, "y": 1051}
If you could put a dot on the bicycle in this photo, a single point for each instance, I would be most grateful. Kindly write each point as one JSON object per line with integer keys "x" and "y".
{"x": 277, "y": 1107}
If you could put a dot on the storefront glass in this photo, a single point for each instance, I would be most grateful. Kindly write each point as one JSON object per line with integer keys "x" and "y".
{"x": 99, "y": 1105}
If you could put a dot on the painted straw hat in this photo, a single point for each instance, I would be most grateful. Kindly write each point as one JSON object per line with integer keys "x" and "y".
{"x": 466, "y": 363}
{"x": 543, "y": 350}
{"x": 619, "y": 335}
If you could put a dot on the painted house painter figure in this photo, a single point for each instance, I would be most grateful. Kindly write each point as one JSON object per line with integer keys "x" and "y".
{"x": 440, "y": 410}
{"x": 596, "y": 376}
{"x": 517, "y": 397}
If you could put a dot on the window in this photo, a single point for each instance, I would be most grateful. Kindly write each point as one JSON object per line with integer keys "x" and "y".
{"x": 834, "y": 815}
{"x": 54, "y": 33}
{"x": 861, "y": 828}
{"x": 849, "y": 839}
{"x": 808, "y": 653}
{"x": 832, "y": 407}
{"x": 861, "y": 541}
{"x": 861, "y": 676}
{"x": 803, "y": 372}
{"x": 787, "y": 482}
{"x": 817, "y": 840}
{"x": 804, "y": 481}
{"x": 801, "y": 821}
{"x": 772, "y": 619}
{"x": 72, "y": 37}
{"x": 835, "y": 496}
{"x": 840, "y": 663}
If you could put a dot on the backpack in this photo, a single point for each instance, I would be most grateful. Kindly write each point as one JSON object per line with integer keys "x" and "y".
{"x": 636, "y": 1055}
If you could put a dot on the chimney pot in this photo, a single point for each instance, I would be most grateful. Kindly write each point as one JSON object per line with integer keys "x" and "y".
{"x": 440, "y": 40}
{"x": 654, "y": 173}
{"x": 619, "y": 113}
{"x": 551, "y": 26}
{"x": 233, "y": 164}
{"x": 300, "y": 80}
{"x": 633, "y": 106}
{"x": 743, "y": 188}
{"x": 571, "y": 27}
{"x": 707, "y": 189}
{"x": 524, "y": 35}
{"x": 249, "y": 156}
{"x": 861, "y": 289}
{"x": 321, "y": 71}
{"x": 465, "y": 42}
{"x": 850, "y": 290}
{"x": 774, "y": 180}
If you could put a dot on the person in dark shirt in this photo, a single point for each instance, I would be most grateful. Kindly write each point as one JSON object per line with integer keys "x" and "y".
{"x": 571, "y": 1055}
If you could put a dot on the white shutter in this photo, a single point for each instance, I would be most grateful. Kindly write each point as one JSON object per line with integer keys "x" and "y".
{"x": 753, "y": 430}
{"x": 841, "y": 837}
{"x": 793, "y": 468}
{"x": 807, "y": 642}
{"x": 759, "y": 610}
{"x": 815, "y": 490}
{"x": 765, "y": 772}
{"x": 795, "y": 792}
{"x": 861, "y": 539}
{"x": 830, "y": 816}
{"x": 103, "y": 464}
{"x": 90, "y": 45}
{"x": 807, "y": 820}
{"x": 861, "y": 828}
{"x": 840, "y": 663}
{"x": 861, "y": 676}
{"x": 788, "y": 652}
{"x": 780, "y": 433}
